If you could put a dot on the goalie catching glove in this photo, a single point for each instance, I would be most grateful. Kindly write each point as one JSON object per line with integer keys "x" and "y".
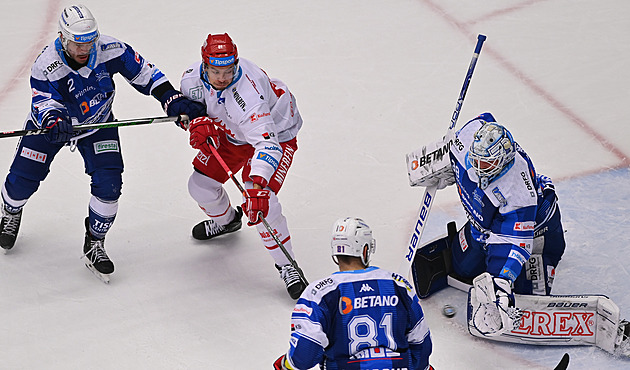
{"x": 431, "y": 165}
{"x": 491, "y": 302}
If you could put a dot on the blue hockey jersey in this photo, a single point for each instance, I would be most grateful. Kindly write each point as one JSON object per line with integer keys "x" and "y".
{"x": 363, "y": 319}
{"x": 504, "y": 215}
{"x": 86, "y": 95}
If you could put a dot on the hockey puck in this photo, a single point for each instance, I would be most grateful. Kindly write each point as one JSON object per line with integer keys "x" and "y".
{"x": 448, "y": 310}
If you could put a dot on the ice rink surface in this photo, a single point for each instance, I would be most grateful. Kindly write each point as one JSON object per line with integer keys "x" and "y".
{"x": 374, "y": 80}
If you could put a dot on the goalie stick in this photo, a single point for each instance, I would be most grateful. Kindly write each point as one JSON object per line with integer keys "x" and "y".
{"x": 260, "y": 215}
{"x": 429, "y": 192}
{"x": 91, "y": 126}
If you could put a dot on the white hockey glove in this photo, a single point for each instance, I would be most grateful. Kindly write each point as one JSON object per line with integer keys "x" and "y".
{"x": 431, "y": 165}
{"x": 492, "y": 310}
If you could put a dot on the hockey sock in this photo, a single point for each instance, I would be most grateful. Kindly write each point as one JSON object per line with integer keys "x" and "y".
{"x": 11, "y": 204}
{"x": 101, "y": 216}
{"x": 211, "y": 198}
{"x": 279, "y": 225}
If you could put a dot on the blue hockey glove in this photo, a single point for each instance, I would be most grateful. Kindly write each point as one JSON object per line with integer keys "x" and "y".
{"x": 60, "y": 127}
{"x": 176, "y": 104}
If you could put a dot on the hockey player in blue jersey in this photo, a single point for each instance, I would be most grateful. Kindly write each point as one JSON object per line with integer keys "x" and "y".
{"x": 361, "y": 317}
{"x": 513, "y": 239}
{"x": 72, "y": 84}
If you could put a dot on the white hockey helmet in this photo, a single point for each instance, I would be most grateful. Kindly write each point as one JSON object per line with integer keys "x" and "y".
{"x": 350, "y": 236}
{"x": 492, "y": 149}
{"x": 77, "y": 24}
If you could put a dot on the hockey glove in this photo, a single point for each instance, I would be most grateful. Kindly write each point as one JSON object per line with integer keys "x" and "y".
{"x": 203, "y": 131}
{"x": 493, "y": 308}
{"x": 60, "y": 127}
{"x": 257, "y": 201}
{"x": 431, "y": 165}
{"x": 176, "y": 104}
{"x": 281, "y": 363}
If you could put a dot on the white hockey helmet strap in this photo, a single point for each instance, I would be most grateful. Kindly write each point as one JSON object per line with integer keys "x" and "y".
{"x": 491, "y": 150}
{"x": 77, "y": 24}
{"x": 350, "y": 235}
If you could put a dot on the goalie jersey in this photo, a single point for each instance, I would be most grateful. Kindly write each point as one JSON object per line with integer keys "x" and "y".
{"x": 362, "y": 319}
{"x": 506, "y": 215}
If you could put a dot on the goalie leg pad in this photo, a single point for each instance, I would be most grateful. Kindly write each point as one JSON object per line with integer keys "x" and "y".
{"x": 583, "y": 320}
{"x": 432, "y": 264}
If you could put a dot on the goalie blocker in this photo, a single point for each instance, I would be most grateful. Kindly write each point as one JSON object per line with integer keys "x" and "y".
{"x": 586, "y": 320}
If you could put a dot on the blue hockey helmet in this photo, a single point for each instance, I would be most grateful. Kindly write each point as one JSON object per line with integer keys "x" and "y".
{"x": 491, "y": 151}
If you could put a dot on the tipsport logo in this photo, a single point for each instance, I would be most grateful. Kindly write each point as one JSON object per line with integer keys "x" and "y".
{"x": 221, "y": 62}
{"x": 267, "y": 158}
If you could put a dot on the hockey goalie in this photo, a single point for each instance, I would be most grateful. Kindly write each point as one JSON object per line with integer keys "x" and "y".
{"x": 506, "y": 254}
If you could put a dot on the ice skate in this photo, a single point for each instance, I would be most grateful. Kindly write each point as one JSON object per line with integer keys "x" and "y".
{"x": 9, "y": 228}
{"x": 291, "y": 277}
{"x": 209, "y": 229}
{"x": 96, "y": 259}
{"x": 622, "y": 344}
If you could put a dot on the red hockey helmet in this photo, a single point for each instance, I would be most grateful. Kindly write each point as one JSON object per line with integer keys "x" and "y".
{"x": 219, "y": 51}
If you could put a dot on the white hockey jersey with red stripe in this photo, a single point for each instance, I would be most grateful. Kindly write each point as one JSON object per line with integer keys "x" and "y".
{"x": 253, "y": 110}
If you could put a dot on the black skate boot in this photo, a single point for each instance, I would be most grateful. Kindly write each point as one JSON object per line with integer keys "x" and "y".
{"x": 622, "y": 342}
{"x": 9, "y": 228}
{"x": 209, "y": 229}
{"x": 94, "y": 254}
{"x": 291, "y": 277}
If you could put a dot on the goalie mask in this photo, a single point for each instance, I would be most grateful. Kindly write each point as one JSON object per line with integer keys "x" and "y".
{"x": 490, "y": 152}
{"x": 350, "y": 236}
{"x": 77, "y": 24}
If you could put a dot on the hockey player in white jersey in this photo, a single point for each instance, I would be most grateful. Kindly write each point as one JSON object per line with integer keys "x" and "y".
{"x": 253, "y": 121}
{"x": 72, "y": 84}
{"x": 513, "y": 239}
{"x": 361, "y": 317}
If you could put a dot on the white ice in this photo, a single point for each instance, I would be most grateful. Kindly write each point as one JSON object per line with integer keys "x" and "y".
{"x": 374, "y": 80}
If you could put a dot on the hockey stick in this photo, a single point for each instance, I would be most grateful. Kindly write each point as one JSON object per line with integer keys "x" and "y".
{"x": 564, "y": 363}
{"x": 264, "y": 221}
{"x": 90, "y": 126}
{"x": 429, "y": 192}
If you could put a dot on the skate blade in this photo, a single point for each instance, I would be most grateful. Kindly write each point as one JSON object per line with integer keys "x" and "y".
{"x": 102, "y": 277}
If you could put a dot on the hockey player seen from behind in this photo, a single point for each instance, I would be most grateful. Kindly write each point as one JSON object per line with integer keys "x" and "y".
{"x": 72, "y": 84}
{"x": 513, "y": 240}
{"x": 361, "y": 317}
{"x": 252, "y": 120}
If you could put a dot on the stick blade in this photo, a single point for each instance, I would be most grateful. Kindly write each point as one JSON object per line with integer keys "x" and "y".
{"x": 564, "y": 363}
